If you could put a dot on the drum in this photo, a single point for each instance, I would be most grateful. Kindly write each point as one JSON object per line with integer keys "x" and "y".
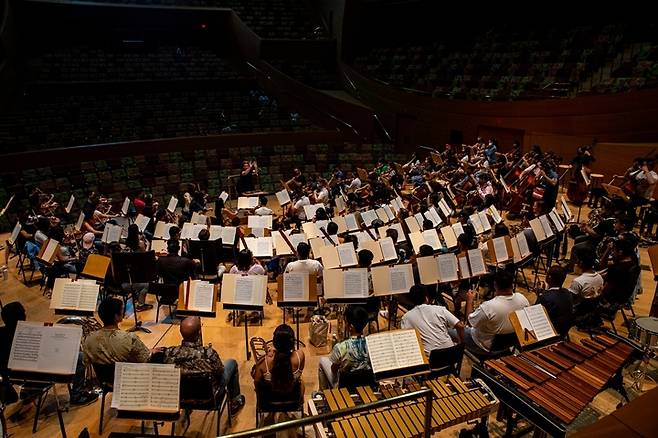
{"x": 645, "y": 331}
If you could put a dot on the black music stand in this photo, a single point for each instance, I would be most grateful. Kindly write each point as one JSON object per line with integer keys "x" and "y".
{"x": 209, "y": 253}
{"x": 131, "y": 268}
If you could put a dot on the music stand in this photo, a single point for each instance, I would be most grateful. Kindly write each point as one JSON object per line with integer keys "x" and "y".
{"x": 208, "y": 252}
{"x": 131, "y": 268}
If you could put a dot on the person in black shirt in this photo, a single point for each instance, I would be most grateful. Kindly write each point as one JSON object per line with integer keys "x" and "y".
{"x": 173, "y": 268}
{"x": 558, "y": 301}
{"x": 246, "y": 179}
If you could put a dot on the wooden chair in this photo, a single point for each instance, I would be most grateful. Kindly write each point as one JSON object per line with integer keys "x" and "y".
{"x": 269, "y": 401}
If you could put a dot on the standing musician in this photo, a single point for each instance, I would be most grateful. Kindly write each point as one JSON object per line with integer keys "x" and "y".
{"x": 246, "y": 179}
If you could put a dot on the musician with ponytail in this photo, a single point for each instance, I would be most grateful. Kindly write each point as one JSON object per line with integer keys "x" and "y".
{"x": 278, "y": 374}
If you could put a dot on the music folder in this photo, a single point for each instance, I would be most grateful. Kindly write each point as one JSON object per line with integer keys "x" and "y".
{"x": 173, "y": 202}
{"x": 197, "y": 298}
{"x": 74, "y": 296}
{"x": 390, "y": 280}
{"x": 14, "y": 233}
{"x": 48, "y": 350}
{"x": 243, "y": 292}
{"x": 346, "y": 286}
{"x": 297, "y": 289}
{"x": 440, "y": 268}
{"x": 146, "y": 387}
{"x": 69, "y": 205}
{"x": 283, "y": 197}
{"x": 396, "y": 226}
{"x": 142, "y": 222}
{"x": 396, "y": 353}
{"x": 532, "y": 324}
{"x": 265, "y": 221}
{"x": 125, "y": 206}
{"x": 259, "y": 246}
{"x": 246, "y": 203}
{"x": 48, "y": 251}
{"x": 341, "y": 256}
{"x": 520, "y": 247}
{"x": 500, "y": 249}
{"x": 162, "y": 230}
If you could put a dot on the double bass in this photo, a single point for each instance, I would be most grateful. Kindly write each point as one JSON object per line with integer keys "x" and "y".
{"x": 578, "y": 188}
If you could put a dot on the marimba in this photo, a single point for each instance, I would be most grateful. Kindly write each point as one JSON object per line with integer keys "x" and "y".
{"x": 455, "y": 401}
{"x": 551, "y": 385}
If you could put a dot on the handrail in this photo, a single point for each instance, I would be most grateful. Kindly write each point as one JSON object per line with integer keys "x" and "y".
{"x": 304, "y": 421}
{"x": 315, "y": 107}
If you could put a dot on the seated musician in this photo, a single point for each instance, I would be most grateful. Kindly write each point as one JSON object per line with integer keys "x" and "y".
{"x": 431, "y": 321}
{"x": 262, "y": 209}
{"x": 332, "y": 230}
{"x": 586, "y": 290}
{"x": 280, "y": 370}
{"x": 322, "y": 194}
{"x": 87, "y": 247}
{"x": 403, "y": 248}
{"x": 247, "y": 264}
{"x": 355, "y": 182}
{"x": 11, "y": 314}
{"x": 297, "y": 208}
{"x": 111, "y": 344}
{"x": 593, "y": 234}
{"x": 349, "y": 355}
{"x": 135, "y": 240}
{"x": 492, "y": 317}
{"x": 303, "y": 263}
{"x": 622, "y": 274}
{"x": 193, "y": 357}
{"x": 65, "y": 261}
{"x": 172, "y": 268}
{"x": 558, "y": 301}
{"x": 646, "y": 180}
{"x": 490, "y": 151}
{"x": 88, "y": 225}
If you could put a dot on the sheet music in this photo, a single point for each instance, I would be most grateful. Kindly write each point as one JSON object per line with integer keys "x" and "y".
{"x": 396, "y": 205}
{"x": 350, "y": 222}
{"x": 381, "y": 215}
{"x": 246, "y": 203}
{"x": 434, "y": 216}
{"x": 310, "y": 210}
{"x": 14, "y": 233}
{"x": 420, "y": 219}
{"x": 495, "y": 214}
{"x": 260, "y": 221}
{"x": 340, "y": 204}
{"x": 428, "y": 270}
{"x": 45, "y": 349}
{"x": 244, "y": 288}
{"x": 538, "y": 229}
{"x": 397, "y": 349}
{"x": 500, "y": 249}
{"x": 201, "y": 295}
{"x": 228, "y": 235}
{"x": 447, "y": 267}
{"x": 283, "y": 197}
{"x": 484, "y": 220}
{"x": 477, "y": 224}
{"x": 69, "y": 206}
{"x": 458, "y": 229}
{"x": 443, "y": 206}
{"x": 346, "y": 254}
{"x": 49, "y": 252}
{"x": 559, "y": 225}
{"x": 74, "y": 295}
{"x": 538, "y": 321}
{"x": 146, "y": 387}
{"x": 223, "y": 196}
{"x": 198, "y": 218}
{"x": 476, "y": 261}
{"x": 464, "y": 270}
{"x": 368, "y": 216}
{"x": 412, "y": 224}
{"x": 295, "y": 286}
{"x": 142, "y": 222}
{"x": 449, "y": 236}
{"x": 396, "y": 226}
{"x": 548, "y": 231}
{"x": 89, "y": 290}
{"x": 400, "y": 278}
{"x": 263, "y": 247}
{"x": 173, "y": 202}
{"x": 523, "y": 245}
{"x": 432, "y": 239}
{"x": 355, "y": 283}
{"x": 388, "y": 249}
{"x": 566, "y": 211}
{"x": 389, "y": 213}
{"x": 111, "y": 233}
{"x": 298, "y": 238}
{"x": 78, "y": 224}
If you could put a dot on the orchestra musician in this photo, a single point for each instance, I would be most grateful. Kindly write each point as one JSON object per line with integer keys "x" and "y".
{"x": 246, "y": 179}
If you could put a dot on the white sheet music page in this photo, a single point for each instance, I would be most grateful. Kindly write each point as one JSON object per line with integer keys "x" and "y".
{"x": 476, "y": 261}
{"x": 125, "y": 206}
{"x": 244, "y": 289}
{"x": 346, "y": 254}
{"x": 381, "y": 214}
{"x": 368, "y": 216}
{"x": 539, "y": 321}
{"x": 45, "y": 349}
{"x": 477, "y": 224}
{"x": 500, "y": 249}
{"x": 146, "y": 387}
{"x": 355, "y": 283}
{"x": 310, "y": 229}
{"x": 51, "y": 247}
{"x": 65, "y": 295}
{"x": 381, "y": 352}
{"x": 340, "y": 204}
{"x": 162, "y": 230}
{"x": 263, "y": 247}
{"x": 258, "y": 232}
{"x": 449, "y": 236}
{"x": 295, "y": 286}
{"x": 432, "y": 239}
{"x": 201, "y": 295}
{"x": 484, "y": 220}
{"x": 14, "y": 233}
{"x": 165, "y": 386}
{"x": 447, "y": 264}
{"x": 401, "y": 278}
{"x": 419, "y": 219}
{"x": 495, "y": 214}
{"x": 173, "y": 202}
{"x": 89, "y": 290}
{"x": 434, "y": 216}
{"x": 350, "y": 222}
{"x": 523, "y": 244}
{"x": 546, "y": 225}
{"x": 412, "y": 224}
{"x": 388, "y": 249}
{"x": 81, "y": 219}
{"x": 283, "y": 197}
{"x": 198, "y": 218}
{"x": 557, "y": 221}
{"x": 142, "y": 222}
{"x": 443, "y": 206}
{"x": 464, "y": 270}
{"x": 69, "y": 205}
{"x": 228, "y": 235}
{"x": 389, "y": 213}
{"x": 538, "y": 229}
{"x": 223, "y": 196}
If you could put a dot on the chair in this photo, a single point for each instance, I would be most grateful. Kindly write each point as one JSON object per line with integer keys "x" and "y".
{"x": 446, "y": 361}
{"x": 105, "y": 375}
{"x": 269, "y": 401}
{"x": 353, "y": 379}
{"x": 500, "y": 346}
{"x": 197, "y": 393}
{"x": 165, "y": 295}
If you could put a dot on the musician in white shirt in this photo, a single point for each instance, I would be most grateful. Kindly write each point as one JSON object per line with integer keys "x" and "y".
{"x": 298, "y": 207}
{"x": 304, "y": 264}
{"x": 263, "y": 209}
{"x": 431, "y": 322}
